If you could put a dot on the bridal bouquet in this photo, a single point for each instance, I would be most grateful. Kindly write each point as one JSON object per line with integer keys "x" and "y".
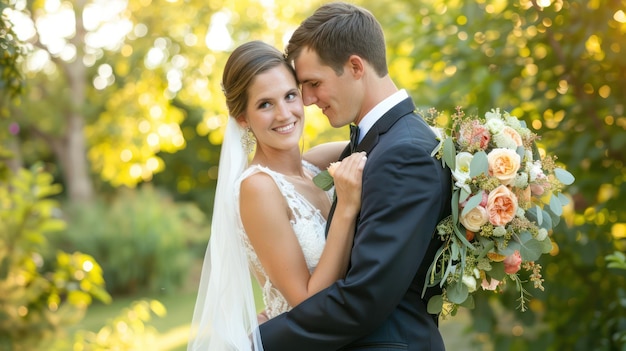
{"x": 506, "y": 199}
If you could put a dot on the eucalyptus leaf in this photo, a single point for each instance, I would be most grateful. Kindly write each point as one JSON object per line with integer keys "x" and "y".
{"x": 461, "y": 236}
{"x": 525, "y": 236}
{"x": 521, "y": 151}
{"x": 531, "y": 250}
{"x": 564, "y": 176}
{"x": 487, "y": 245}
{"x": 547, "y": 219}
{"x": 457, "y": 292}
{"x": 539, "y": 214}
{"x": 469, "y": 302}
{"x": 449, "y": 269}
{"x": 449, "y": 153}
{"x": 454, "y": 251}
{"x": 479, "y": 164}
{"x": 472, "y": 203}
{"x": 555, "y": 206}
{"x": 497, "y": 271}
{"x": 546, "y": 245}
{"x": 455, "y": 206}
{"x": 564, "y": 199}
{"x": 435, "y": 304}
{"x": 463, "y": 195}
{"x": 510, "y": 248}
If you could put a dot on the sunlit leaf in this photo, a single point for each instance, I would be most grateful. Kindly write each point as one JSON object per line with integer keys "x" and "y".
{"x": 564, "y": 176}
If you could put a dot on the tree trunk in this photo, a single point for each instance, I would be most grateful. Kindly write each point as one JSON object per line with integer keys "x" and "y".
{"x": 76, "y": 170}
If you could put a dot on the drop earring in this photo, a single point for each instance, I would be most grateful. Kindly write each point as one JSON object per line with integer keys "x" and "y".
{"x": 248, "y": 140}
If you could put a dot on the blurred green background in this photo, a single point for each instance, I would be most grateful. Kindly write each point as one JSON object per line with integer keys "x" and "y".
{"x": 111, "y": 119}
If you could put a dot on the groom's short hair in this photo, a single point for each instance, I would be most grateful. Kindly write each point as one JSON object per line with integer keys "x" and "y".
{"x": 337, "y": 30}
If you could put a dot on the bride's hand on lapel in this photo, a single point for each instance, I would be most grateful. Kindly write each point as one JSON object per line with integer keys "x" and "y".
{"x": 348, "y": 177}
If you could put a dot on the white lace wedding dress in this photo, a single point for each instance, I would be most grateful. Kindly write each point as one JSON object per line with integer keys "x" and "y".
{"x": 308, "y": 225}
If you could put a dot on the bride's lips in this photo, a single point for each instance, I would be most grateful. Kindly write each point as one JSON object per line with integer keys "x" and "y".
{"x": 286, "y": 128}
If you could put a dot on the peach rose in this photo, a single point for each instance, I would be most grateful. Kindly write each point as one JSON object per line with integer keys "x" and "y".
{"x": 475, "y": 218}
{"x": 332, "y": 168}
{"x": 523, "y": 195}
{"x": 501, "y": 206}
{"x": 512, "y": 263}
{"x": 475, "y": 135}
{"x": 489, "y": 285}
{"x": 512, "y": 134}
{"x": 503, "y": 164}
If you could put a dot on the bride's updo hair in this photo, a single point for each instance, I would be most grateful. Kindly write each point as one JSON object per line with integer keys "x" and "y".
{"x": 243, "y": 65}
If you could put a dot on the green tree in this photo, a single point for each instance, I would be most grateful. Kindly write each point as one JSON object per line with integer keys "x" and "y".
{"x": 136, "y": 81}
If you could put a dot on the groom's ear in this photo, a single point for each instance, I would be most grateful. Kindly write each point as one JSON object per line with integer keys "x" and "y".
{"x": 355, "y": 66}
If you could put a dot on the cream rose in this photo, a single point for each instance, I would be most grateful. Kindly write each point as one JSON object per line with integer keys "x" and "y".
{"x": 513, "y": 135}
{"x": 503, "y": 164}
{"x": 501, "y": 206}
{"x": 475, "y": 218}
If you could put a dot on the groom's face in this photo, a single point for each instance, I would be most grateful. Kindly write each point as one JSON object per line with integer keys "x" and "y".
{"x": 337, "y": 96}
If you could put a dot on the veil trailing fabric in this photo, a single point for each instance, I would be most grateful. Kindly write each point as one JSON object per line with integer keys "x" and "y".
{"x": 225, "y": 316}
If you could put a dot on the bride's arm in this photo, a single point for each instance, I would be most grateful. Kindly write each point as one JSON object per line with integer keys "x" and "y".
{"x": 323, "y": 154}
{"x": 266, "y": 218}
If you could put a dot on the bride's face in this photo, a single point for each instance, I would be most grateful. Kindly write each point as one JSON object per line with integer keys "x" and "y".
{"x": 275, "y": 111}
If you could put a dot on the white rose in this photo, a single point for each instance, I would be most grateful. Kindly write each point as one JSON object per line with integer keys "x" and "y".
{"x": 470, "y": 282}
{"x": 542, "y": 234}
{"x": 535, "y": 170}
{"x": 499, "y": 231}
{"x": 521, "y": 180}
{"x": 462, "y": 167}
{"x": 495, "y": 125}
{"x": 512, "y": 121}
{"x": 493, "y": 114}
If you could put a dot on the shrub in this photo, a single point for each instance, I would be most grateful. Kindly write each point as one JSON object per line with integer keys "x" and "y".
{"x": 140, "y": 238}
{"x": 37, "y": 296}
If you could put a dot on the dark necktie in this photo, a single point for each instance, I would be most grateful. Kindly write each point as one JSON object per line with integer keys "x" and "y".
{"x": 354, "y": 137}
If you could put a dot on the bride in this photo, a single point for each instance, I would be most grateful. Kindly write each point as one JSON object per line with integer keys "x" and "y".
{"x": 269, "y": 217}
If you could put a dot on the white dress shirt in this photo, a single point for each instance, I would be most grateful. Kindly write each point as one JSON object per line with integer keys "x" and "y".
{"x": 379, "y": 110}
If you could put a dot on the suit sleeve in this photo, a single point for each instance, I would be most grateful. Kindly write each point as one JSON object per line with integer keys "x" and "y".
{"x": 401, "y": 201}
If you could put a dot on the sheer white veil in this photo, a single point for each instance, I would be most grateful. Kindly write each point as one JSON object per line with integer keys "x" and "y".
{"x": 225, "y": 316}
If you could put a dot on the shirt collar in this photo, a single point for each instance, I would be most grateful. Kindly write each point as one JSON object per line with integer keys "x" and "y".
{"x": 379, "y": 110}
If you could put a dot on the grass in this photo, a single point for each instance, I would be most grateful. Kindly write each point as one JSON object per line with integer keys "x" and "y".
{"x": 173, "y": 328}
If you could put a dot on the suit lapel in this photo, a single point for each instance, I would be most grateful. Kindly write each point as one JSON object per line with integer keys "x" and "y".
{"x": 370, "y": 140}
{"x": 385, "y": 122}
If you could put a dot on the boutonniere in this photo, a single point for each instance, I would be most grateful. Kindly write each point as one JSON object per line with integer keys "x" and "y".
{"x": 324, "y": 179}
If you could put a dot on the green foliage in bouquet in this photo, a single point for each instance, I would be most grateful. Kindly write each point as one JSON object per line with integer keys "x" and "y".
{"x": 507, "y": 198}
{"x": 140, "y": 238}
{"x": 38, "y": 296}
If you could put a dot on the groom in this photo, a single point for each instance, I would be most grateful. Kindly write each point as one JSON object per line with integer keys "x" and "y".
{"x": 339, "y": 56}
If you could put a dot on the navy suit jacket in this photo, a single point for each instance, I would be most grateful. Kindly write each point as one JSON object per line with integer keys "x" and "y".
{"x": 378, "y": 305}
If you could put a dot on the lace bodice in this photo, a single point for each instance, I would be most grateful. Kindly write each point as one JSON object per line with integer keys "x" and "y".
{"x": 308, "y": 225}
